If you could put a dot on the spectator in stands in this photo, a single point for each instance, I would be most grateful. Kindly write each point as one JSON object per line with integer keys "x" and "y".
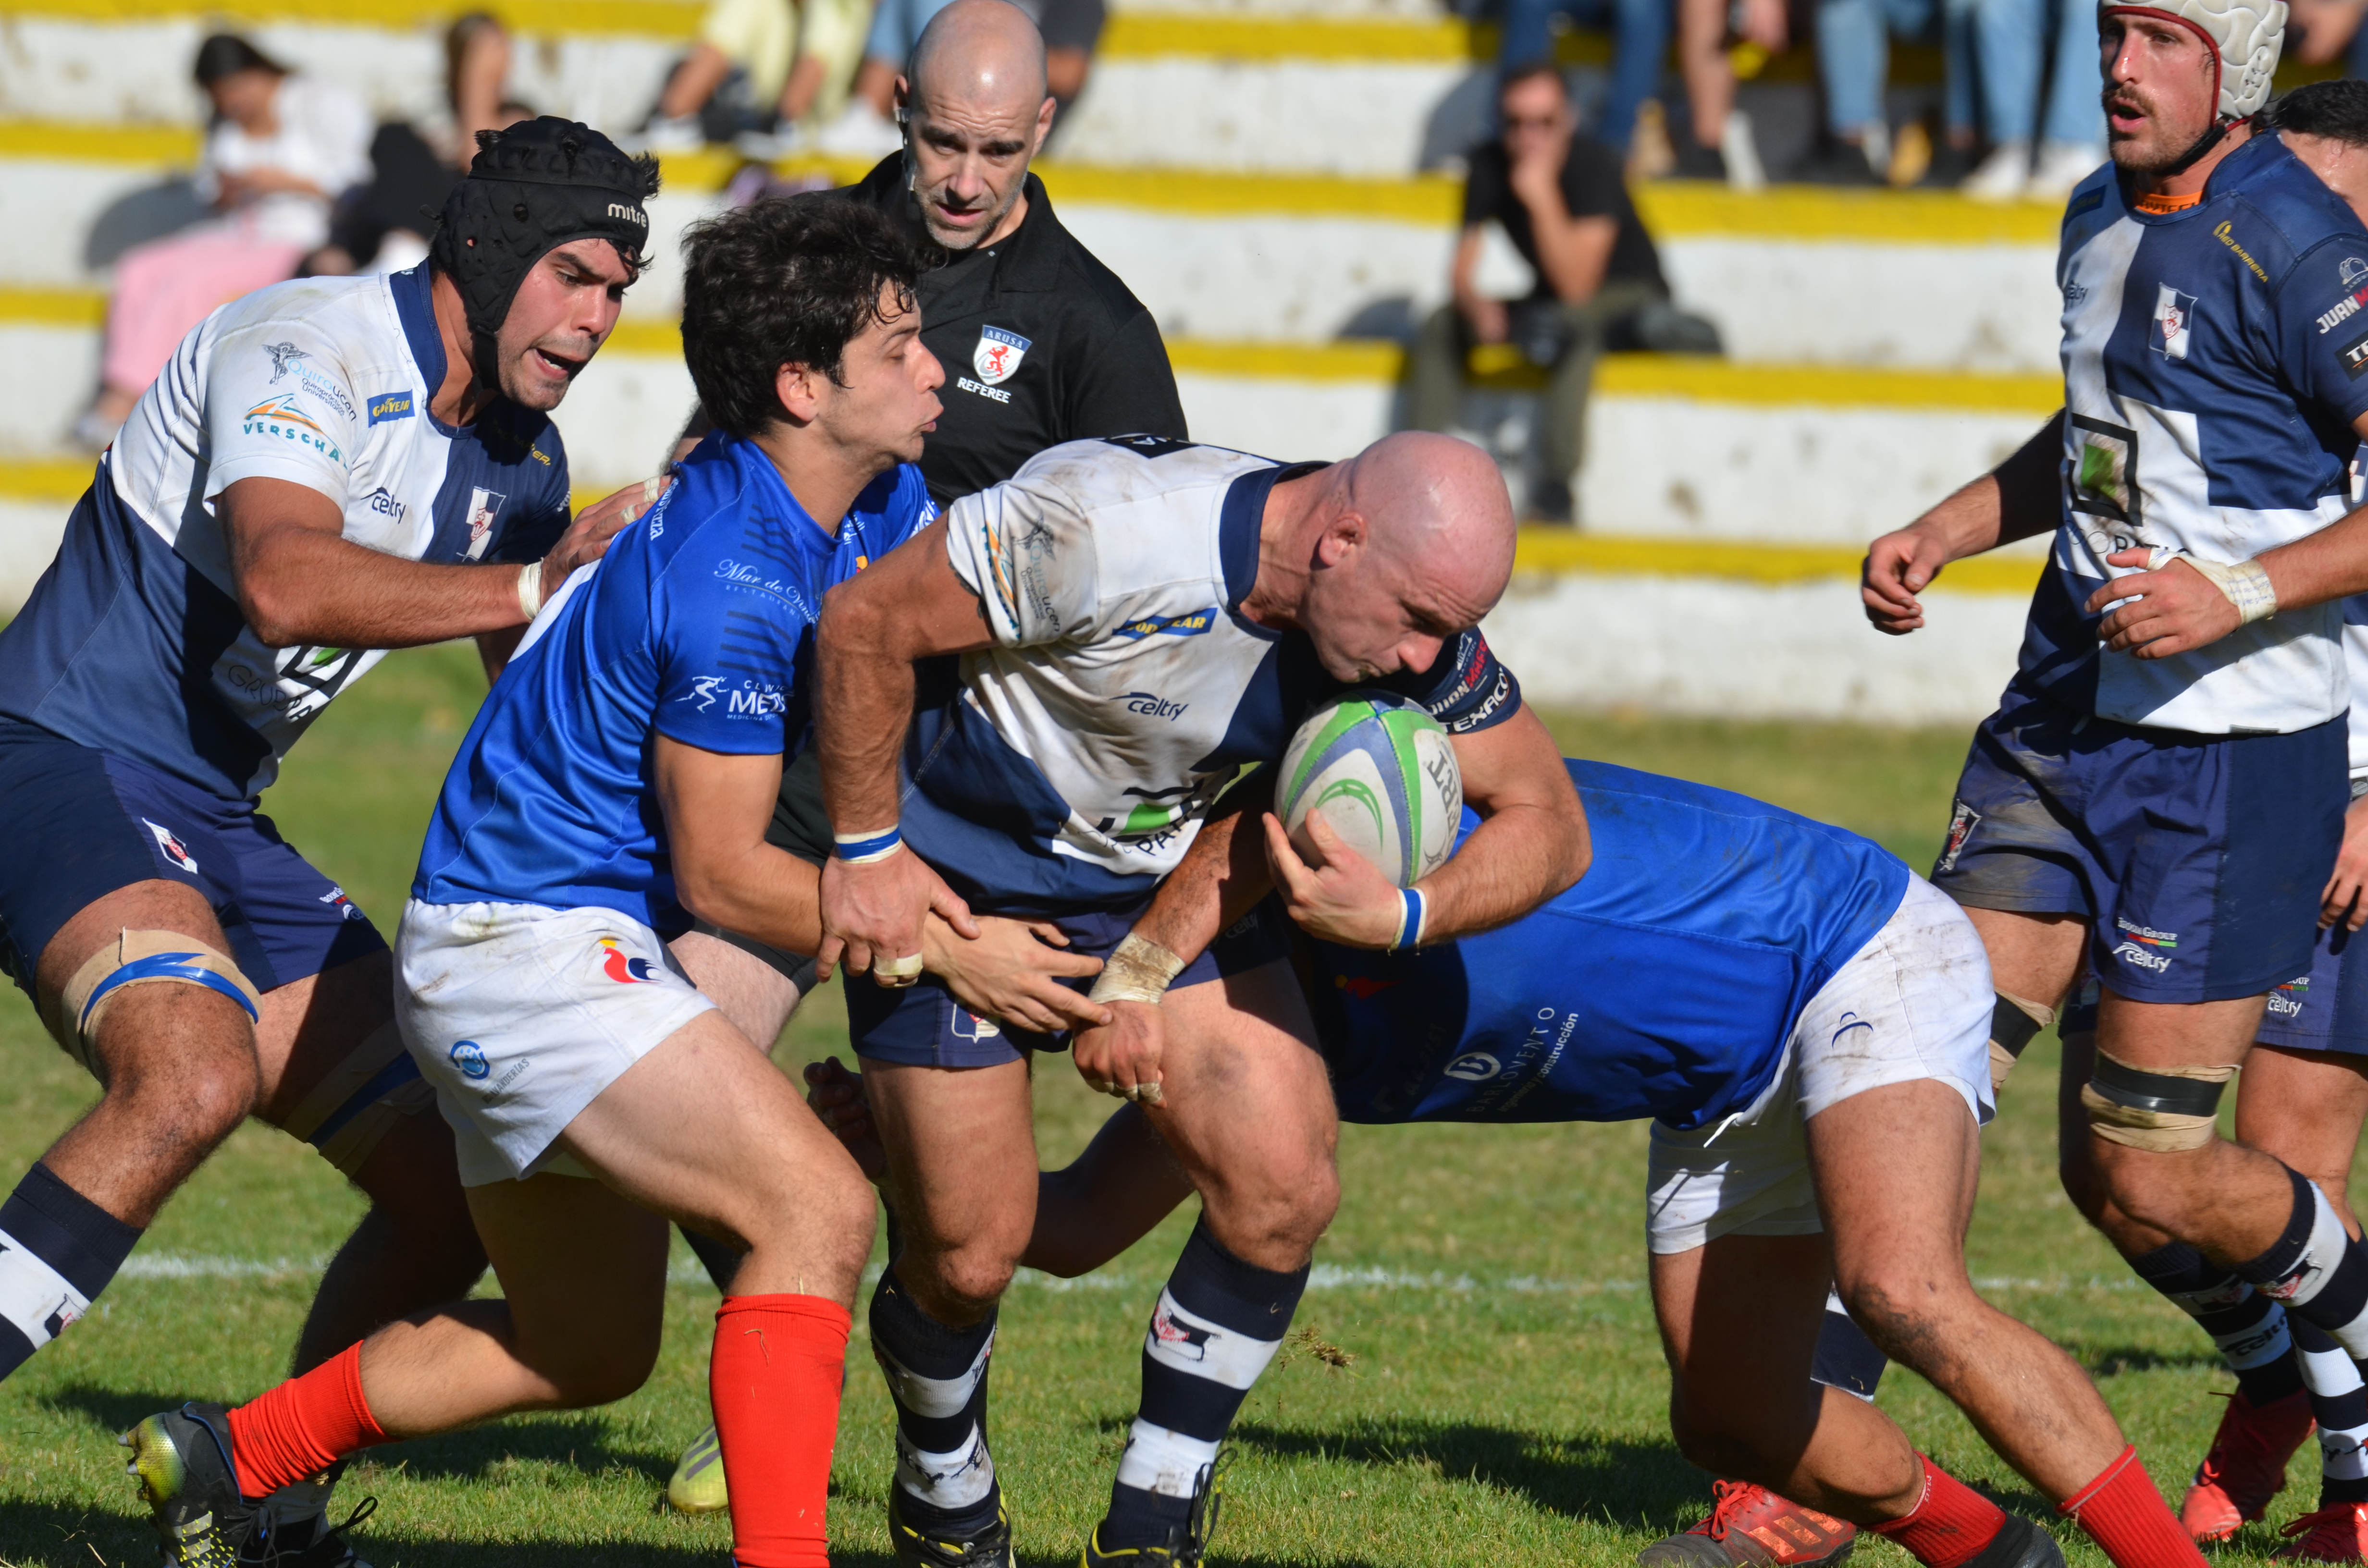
{"x": 1854, "y": 64}
{"x": 1714, "y": 139}
{"x": 1640, "y": 32}
{"x": 2008, "y": 39}
{"x": 281, "y": 149}
{"x": 1559, "y": 196}
{"x": 732, "y": 81}
{"x": 2321, "y": 31}
{"x": 1071, "y": 29}
{"x": 384, "y": 226}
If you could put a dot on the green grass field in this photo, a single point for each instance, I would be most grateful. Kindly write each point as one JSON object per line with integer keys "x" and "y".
{"x": 1506, "y": 1401}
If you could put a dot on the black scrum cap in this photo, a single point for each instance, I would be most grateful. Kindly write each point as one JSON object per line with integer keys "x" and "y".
{"x": 529, "y": 190}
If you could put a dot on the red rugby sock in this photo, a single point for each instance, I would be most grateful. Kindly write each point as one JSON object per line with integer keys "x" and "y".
{"x": 1949, "y": 1524}
{"x": 302, "y": 1426}
{"x": 774, "y": 1381}
{"x": 2124, "y": 1513}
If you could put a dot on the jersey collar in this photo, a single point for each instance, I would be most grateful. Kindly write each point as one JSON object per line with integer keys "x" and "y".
{"x": 1241, "y": 516}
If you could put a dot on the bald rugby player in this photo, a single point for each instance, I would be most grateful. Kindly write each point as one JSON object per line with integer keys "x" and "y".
{"x": 1138, "y": 620}
{"x": 327, "y": 469}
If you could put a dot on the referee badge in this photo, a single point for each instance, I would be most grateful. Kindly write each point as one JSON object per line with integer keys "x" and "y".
{"x": 999, "y": 354}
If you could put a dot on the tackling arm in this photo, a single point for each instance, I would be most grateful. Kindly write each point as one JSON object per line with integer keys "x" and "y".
{"x": 299, "y": 579}
{"x": 910, "y": 606}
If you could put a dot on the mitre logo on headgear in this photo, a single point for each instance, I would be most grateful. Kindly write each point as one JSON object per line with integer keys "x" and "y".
{"x": 630, "y": 214}
{"x": 999, "y": 354}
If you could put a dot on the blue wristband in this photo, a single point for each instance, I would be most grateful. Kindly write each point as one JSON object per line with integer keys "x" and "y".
{"x": 1410, "y": 920}
{"x": 861, "y": 849}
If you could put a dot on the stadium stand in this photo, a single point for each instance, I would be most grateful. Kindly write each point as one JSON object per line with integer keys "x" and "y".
{"x": 1266, "y": 180}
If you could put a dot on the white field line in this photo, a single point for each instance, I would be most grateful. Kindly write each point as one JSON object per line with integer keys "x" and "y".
{"x": 1323, "y": 1276}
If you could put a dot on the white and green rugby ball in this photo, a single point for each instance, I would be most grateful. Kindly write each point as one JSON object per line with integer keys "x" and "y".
{"x": 1383, "y": 773}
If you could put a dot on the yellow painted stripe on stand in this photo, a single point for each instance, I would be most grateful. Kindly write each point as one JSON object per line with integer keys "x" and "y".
{"x": 1562, "y": 553}
{"x": 162, "y": 146}
{"x": 660, "y": 18}
{"x": 46, "y": 479}
{"x": 53, "y": 307}
{"x": 1690, "y": 208}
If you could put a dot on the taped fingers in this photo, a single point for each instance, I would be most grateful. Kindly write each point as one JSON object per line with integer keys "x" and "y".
{"x": 141, "y": 958}
{"x": 2164, "y": 1110}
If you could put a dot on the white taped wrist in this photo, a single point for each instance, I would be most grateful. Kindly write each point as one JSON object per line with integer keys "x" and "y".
{"x": 530, "y": 588}
{"x": 1138, "y": 970}
{"x": 2246, "y": 584}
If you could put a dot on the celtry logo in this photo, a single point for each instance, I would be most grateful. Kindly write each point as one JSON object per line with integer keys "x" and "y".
{"x": 622, "y": 966}
{"x": 172, "y": 848}
{"x": 470, "y": 1058}
{"x": 997, "y": 357}
{"x": 2131, "y": 952}
{"x": 391, "y": 405}
{"x": 1151, "y": 705}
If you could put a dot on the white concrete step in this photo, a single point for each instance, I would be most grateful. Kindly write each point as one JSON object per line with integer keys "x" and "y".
{"x": 1794, "y": 276}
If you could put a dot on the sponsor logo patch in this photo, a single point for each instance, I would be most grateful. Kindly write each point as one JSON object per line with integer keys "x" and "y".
{"x": 1191, "y": 623}
{"x": 1962, "y": 823}
{"x": 2354, "y": 273}
{"x": 470, "y": 1058}
{"x": 1186, "y": 1342}
{"x": 622, "y": 966}
{"x": 283, "y": 355}
{"x": 2174, "y": 322}
{"x": 484, "y": 505}
{"x": 170, "y": 846}
{"x": 1473, "y": 1067}
{"x": 392, "y": 405}
{"x": 2355, "y": 358}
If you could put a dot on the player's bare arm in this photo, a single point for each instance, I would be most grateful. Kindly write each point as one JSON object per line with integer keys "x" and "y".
{"x": 1531, "y": 845}
{"x": 2184, "y": 606}
{"x": 1484, "y": 313}
{"x": 909, "y": 606}
{"x": 2016, "y": 500}
{"x": 716, "y": 808}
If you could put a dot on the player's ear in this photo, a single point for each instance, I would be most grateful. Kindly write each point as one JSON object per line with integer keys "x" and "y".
{"x": 1045, "y": 113}
{"x": 799, "y": 390}
{"x": 1342, "y": 537}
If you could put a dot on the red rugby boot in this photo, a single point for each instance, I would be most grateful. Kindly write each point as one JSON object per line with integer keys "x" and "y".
{"x": 1751, "y": 1525}
{"x": 2331, "y": 1535}
{"x": 2246, "y": 1465}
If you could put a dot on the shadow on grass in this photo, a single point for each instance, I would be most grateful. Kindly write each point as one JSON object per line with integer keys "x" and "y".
{"x": 582, "y": 1440}
{"x": 2111, "y": 1360}
{"x": 1639, "y": 1486}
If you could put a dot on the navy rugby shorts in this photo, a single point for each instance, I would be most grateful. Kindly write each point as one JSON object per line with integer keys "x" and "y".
{"x": 2198, "y": 860}
{"x": 923, "y": 1025}
{"x": 82, "y": 823}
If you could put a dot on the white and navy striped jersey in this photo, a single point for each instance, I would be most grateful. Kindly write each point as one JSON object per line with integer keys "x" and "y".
{"x": 1070, "y": 764}
{"x": 2214, "y": 360}
{"x": 133, "y": 641}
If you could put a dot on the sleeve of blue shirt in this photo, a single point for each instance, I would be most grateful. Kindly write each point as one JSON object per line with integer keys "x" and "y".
{"x": 726, "y": 652}
{"x": 2329, "y": 364}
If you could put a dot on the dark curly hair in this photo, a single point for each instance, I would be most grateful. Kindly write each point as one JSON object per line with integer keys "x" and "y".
{"x": 787, "y": 281}
{"x": 2336, "y": 110}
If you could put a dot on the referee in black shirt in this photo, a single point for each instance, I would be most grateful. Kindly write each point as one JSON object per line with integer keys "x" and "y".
{"x": 1040, "y": 342}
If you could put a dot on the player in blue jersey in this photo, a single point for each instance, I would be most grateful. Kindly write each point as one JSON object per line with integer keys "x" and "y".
{"x": 1136, "y": 618}
{"x": 328, "y": 468}
{"x": 2161, "y": 795}
{"x": 622, "y": 772}
{"x": 1806, "y": 1023}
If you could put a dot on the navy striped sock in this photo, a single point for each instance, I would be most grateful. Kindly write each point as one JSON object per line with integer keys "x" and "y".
{"x": 2338, "y": 1402}
{"x": 937, "y": 1376}
{"x": 1218, "y": 1323}
{"x": 58, "y": 1250}
{"x": 2250, "y": 1329}
{"x": 2317, "y": 1271}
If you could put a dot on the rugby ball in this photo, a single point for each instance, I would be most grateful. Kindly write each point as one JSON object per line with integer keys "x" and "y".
{"x": 1383, "y": 773}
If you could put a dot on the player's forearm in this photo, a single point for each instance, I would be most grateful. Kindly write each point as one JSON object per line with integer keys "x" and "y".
{"x": 761, "y": 892}
{"x": 1514, "y": 862}
{"x": 2019, "y": 499}
{"x": 2331, "y": 564}
{"x": 863, "y": 702}
{"x": 297, "y": 586}
{"x": 1220, "y": 880}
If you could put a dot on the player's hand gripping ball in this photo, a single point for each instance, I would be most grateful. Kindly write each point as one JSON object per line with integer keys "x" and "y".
{"x": 1383, "y": 775}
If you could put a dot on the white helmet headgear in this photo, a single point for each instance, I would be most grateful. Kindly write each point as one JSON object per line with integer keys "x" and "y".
{"x": 2243, "y": 35}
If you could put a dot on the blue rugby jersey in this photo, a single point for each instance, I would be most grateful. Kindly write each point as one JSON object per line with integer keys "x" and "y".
{"x": 2214, "y": 359}
{"x": 696, "y": 625}
{"x": 133, "y": 641}
{"x": 1068, "y": 767}
{"x": 1662, "y": 983}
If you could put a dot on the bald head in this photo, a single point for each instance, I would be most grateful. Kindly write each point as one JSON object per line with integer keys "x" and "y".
{"x": 1392, "y": 553}
{"x": 983, "y": 53}
{"x": 977, "y": 112}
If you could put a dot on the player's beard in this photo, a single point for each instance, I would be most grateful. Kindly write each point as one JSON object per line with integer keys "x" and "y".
{"x": 534, "y": 390}
{"x": 970, "y": 240}
{"x": 2159, "y": 149}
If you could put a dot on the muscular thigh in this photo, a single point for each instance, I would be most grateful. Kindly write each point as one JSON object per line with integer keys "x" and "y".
{"x": 582, "y": 1267}
{"x": 962, "y": 1151}
{"x": 1247, "y": 1094}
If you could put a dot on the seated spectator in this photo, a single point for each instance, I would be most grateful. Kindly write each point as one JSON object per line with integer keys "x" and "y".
{"x": 280, "y": 151}
{"x": 1854, "y": 64}
{"x": 1559, "y": 196}
{"x": 384, "y": 226}
{"x": 1714, "y": 141}
{"x": 2320, "y": 32}
{"x": 1640, "y": 43}
{"x": 830, "y": 50}
{"x": 2006, "y": 40}
{"x": 731, "y": 81}
{"x": 1070, "y": 28}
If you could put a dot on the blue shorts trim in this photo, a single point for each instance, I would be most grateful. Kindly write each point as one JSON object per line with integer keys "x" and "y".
{"x": 2198, "y": 860}
{"x": 923, "y": 1025}
{"x": 83, "y": 823}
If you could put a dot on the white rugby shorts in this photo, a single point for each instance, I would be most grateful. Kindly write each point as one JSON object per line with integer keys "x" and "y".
{"x": 1914, "y": 1002}
{"x": 519, "y": 1016}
